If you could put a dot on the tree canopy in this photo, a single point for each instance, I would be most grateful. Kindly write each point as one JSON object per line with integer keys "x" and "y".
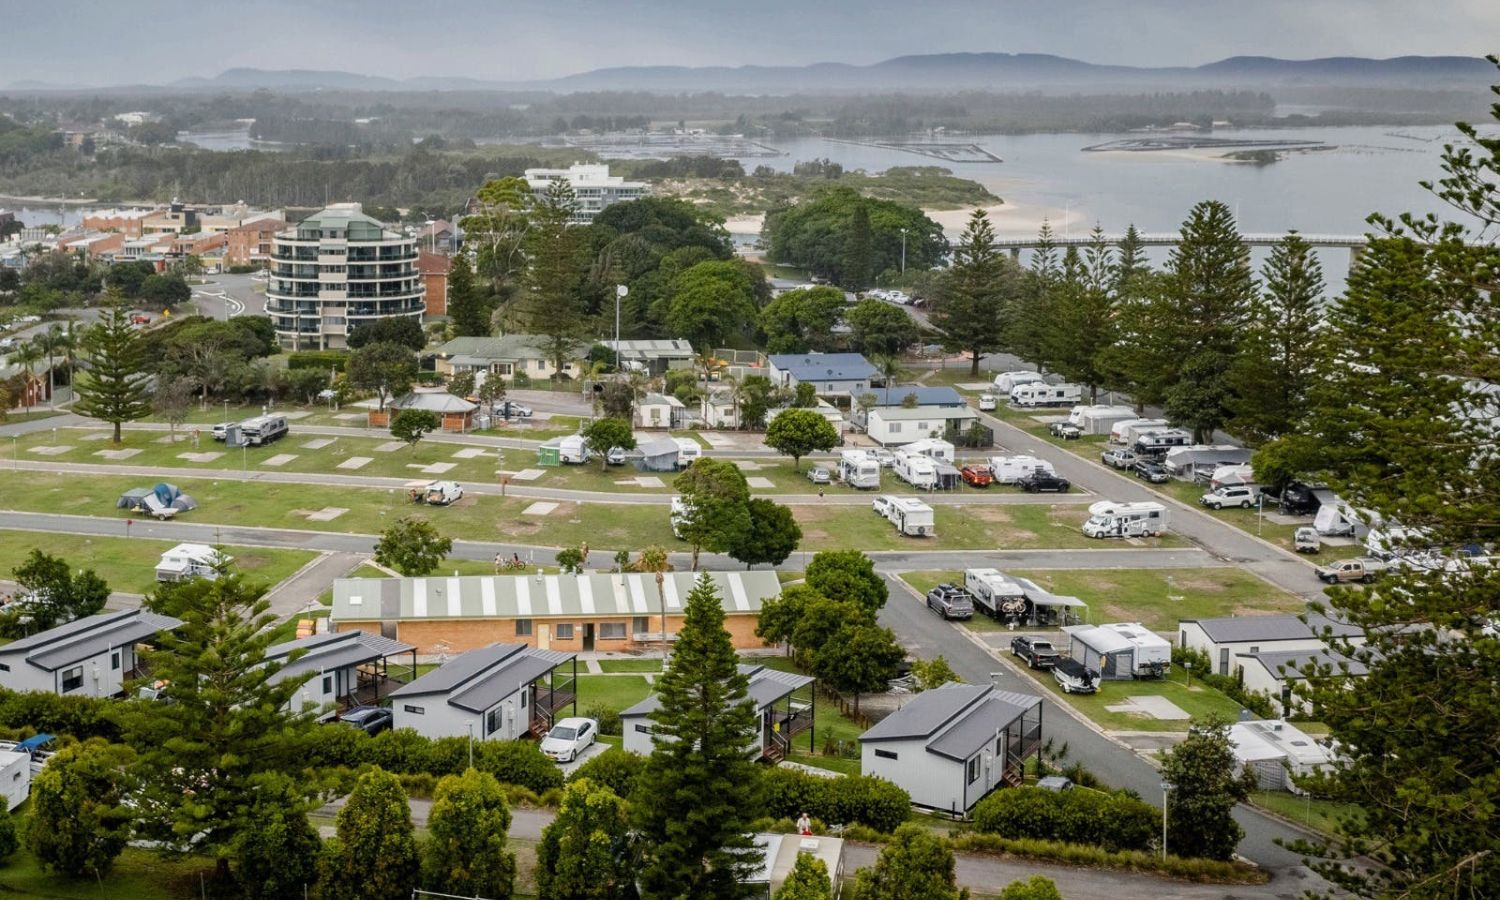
{"x": 798, "y": 432}
{"x": 412, "y": 546}
{"x": 815, "y": 234}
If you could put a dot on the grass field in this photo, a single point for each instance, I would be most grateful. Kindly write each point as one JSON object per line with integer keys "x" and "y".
{"x": 1197, "y": 701}
{"x": 616, "y": 692}
{"x": 130, "y": 565}
{"x": 138, "y": 874}
{"x": 1319, "y": 815}
{"x": 630, "y": 665}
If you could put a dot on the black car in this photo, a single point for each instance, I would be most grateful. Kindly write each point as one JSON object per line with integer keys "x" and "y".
{"x": 1043, "y": 482}
{"x": 370, "y": 719}
{"x": 1038, "y": 653}
{"x": 950, "y": 602}
{"x": 1154, "y": 472}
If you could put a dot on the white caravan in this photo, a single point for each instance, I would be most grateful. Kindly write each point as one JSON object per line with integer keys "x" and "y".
{"x": 916, "y": 470}
{"x": 1110, "y": 519}
{"x": 995, "y": 593}
{"x": 911, "y": 516}
{"x": 680, "y": 511}
{"x": 936, "y": 448}
{"x": 263, "y": 430}
{"x": 859, "y": 469}
{"x": 1231, "y": 476}
{"x": 1011, "y": 469}
{"x": 1130, "y": 430}
{"x": 688, "y": 450}
{"x": 1338, "y": 519}
{"x": 1037, "y": 394}
{"x": 1006, "y": 382}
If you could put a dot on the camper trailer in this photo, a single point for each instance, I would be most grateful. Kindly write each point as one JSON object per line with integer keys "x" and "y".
{"x": 1011, "y": 469}
{"x": 859, "y": 470}
{"x": 1231, "y": 476}
{"x": 911, "y": 517}
{"x": 688, "y": 450}
{"x": 442, "y": 493}
{"x": 1130, "y": 430}
{"x": 1338, "y": 519}
{"x": 1006, "y": 382}
{"x": 1119, "y": 651}
{"x": 262, "y": 430}
{"x": 680, "y": 512}
{"x": 916, "y": 470}
{"x": 1109, "y": 519}
{"x": 934, "y": 448}
{"x": 1155, "y": 444}
{"x": 186, "y": 561}
{"x": 1038, "y": 394}
{"x": 572, "y": 450}
{"x": 995, "y": 594}
{"x": 1099, "y": 419}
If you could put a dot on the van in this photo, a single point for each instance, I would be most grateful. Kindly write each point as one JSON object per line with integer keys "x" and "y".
{"x": 263, "y": 430}
{"x": 1109, "y": 519}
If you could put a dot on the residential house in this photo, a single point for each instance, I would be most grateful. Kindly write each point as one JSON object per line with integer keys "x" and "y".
{"x": 770, "y": 690}
{"x": 437, "y": 236}
{"x": 457, "y": 414}
{"x": 653, "y": 357}
{"x": 660, "y": 411}
{"x": 88, "y": 657}
{"x": 433, "y": 268}
{"x": 507, "y": 356}
{"x": 1277, "y": 752}
{"x": 1276, "y": 674}
{"x": 177, "y": 218}
{"x": 251, "y": 243}
{"x": 949, "y": 747}
{"x": 28, "y": 387}
{"x": 893, "y": 426}
{"x": 830, "y": 374}
{"x": 346, "y": 667}
{"x": 595, "y": 611}
{"x": 1228, "y": 639}
{"x": 912, "y": 396}
{"x": 497, "y": 692}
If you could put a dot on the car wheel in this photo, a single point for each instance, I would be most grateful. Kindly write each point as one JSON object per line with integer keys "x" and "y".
{"x": 1245, "y": 505}
{"x": 1367, "y": 579}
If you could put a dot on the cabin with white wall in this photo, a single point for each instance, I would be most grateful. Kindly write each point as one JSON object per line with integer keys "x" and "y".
{"x": 88, "y": 657}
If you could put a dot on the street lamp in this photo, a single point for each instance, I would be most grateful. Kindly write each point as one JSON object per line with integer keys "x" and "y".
{"x": 620, "y": 292}
{"x": 1166, "y": 789}
{"x": 903, "y": 251}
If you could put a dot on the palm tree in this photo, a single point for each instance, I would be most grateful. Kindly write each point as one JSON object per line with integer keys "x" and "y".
{"x": 65, "y": 344}
{"x": 734, "y": 391}
{"x": 654, "y": 559}
{"x": 27, "y": 356}
{"x": 890, "y": 367}
{"x": 708, "y": 365}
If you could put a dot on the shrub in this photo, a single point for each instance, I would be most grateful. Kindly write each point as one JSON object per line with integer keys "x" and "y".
{"x": 318, "y": 359}
{"x": 848, "y": 800}
{"x": 607, "y": 717}
{"x": 616, "y": 768}
{"x": 1079, "y": 816}
{"x": 517, "y": 762}
{"x": 80, "y": 717}
{"x": 520, "y": 380}
{"x": 400, "y": 750}
{"x": 1201, "y": 870}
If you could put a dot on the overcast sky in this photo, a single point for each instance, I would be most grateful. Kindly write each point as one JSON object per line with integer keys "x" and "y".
{"x": 155, "y": 41}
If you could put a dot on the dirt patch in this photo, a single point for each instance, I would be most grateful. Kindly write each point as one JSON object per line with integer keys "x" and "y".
{"x": 997, "y": 514}
{"x": 1206, "y": 583}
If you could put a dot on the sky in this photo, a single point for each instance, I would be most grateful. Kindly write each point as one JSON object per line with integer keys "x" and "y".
{"x": 157, "y": 41}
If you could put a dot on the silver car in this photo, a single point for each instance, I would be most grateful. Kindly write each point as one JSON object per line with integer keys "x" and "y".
{"x": 819, "y": 475}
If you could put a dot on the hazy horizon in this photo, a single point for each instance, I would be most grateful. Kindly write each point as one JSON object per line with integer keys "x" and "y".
{"x": 160, "y": 41}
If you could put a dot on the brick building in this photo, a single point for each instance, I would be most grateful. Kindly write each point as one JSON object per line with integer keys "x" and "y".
{"x": 434, "y": 268}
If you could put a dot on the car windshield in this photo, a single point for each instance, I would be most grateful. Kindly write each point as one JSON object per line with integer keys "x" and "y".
{"x": 562, "y": 733}
{"x": 1098, "y": 520}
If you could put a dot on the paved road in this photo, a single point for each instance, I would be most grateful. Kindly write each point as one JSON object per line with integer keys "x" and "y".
{"x": 226, "y": 296}
{"x": 302, "y": 589}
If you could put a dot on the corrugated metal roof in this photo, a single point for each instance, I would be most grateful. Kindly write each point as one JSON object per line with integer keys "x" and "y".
{"x": 103, "y": 637}
{"x": 926, "y": 712}
{"x": 1295, "y": 661}
{"x": 979, "y": 724}
{"x": 824, "y": 366}
{"x": 1286, "y": 627}
{"x": 766, "y": 687}
{"x": 546, "y": 596}
{"x": 333, "y": 650}
{"x": 896, "y": 395}
{"x": 479, "y": 679}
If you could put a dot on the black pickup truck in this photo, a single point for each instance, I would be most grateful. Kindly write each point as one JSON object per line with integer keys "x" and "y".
{"x": 1038, "y": 653}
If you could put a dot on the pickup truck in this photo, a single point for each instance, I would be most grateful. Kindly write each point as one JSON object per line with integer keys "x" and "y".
{"x": 977, "y": 476}
{"x": 1043, "y": 482}
{"x": 1038, "y": 653}
{"x": 1344, "y": 571}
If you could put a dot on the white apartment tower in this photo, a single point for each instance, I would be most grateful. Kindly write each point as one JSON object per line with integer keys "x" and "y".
{"x": 336, "y": 270}
{"x": 593, "y": 187}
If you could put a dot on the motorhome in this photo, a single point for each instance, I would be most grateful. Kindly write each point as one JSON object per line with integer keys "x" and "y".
{"x": 995, "y": 594}
{"x": 1110, "y": 519}
{"x": 263, "y": 430}
{"x": 916, "y": 470}
{"x": 1006, "y": 382}
{"x": 911, "y": 517}
{"x": 1156, "y": 443}
{"x": 1011, "y": 469}
{"x": 1128, "y": 431}
{"x": 442, "y": 493}
{"x": 859, "y": 469}
{"x": 1038, "y": 394}
{"x": 935, "y": 448}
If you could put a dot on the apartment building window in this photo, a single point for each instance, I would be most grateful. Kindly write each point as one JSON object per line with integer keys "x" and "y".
{"x": 611, "y": 631}
{"x": 565, "y": 631}
{"x": 523, "y": 628}
{"x": 72, "y": 679}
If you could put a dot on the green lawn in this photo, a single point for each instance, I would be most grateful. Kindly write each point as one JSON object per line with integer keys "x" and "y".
{"x": 16, "y": 418}
{"x": 1319, "y": 815}
{"x": 129, "y": 565}
{"x": 1197, "y": 701}
{"x": 616, "y": 692}
{"x": 630, "y": 665}
{"x": 137, "y": 875}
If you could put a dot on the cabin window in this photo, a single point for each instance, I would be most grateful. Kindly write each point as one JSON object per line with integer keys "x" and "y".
{"x": 895, "y": 428}
{"x": 492, "y": 721}
{"x": 640, "y": 625}
{"x": 565, "y": 631}
{"x": 1254, "y": 649}
{"x": 973, "y": 770}
{"x": 612, "y": 631}
{"x": 327, "y": 684}
{"x": 643, "y": 729}
{"x": 414, "y": 710}
{"x": 72, "y": 679}
{"x": 887, "y": 754}
{"x": 114, "y": 661}
{"x": 4, "y": 667}
{"x": 525, "y": 695}
{"x": 523, "y": 628}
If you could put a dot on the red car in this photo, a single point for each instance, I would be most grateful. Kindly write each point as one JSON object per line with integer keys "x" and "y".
{"x": 977, "y": 476}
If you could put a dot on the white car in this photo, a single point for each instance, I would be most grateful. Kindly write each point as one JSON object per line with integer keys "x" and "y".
{"x": 615, "y": 456}
{"x": 819, "y": 475}
{"x": 876, "y": 294}
{"x": 987, "y": 402}
{"x": 883, "y": 456}
{"x": 882, "y": 505}
{"x": 569, "y": 738}
{"x": 221, "y": 431}
{"x": 898, "y": 297}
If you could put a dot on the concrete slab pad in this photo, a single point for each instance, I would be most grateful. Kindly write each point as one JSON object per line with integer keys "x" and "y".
{"x": 318, "y": 444}
{"x": 540, "y": 508}
{"x": 470, "y": 453}
{"x": 1280, "y": 519}
{"x": 977, "y": 386}
{"x": 356, "y": 462}
{"x": 98, "y": 436}
{"x": 439, "y": 468}
{"x": 650, "y": 481}
{"x": 757, "y": 481}
{"x": 280, "y": 459}
{"x": 390, "y": 447}
{"x": 1153, "y": 705}
{"x": 124, "y": 453}
{"x": 205, "y": 457}
{"x": 169, "y": 439}
{"x": 295, "y": 415}
{"x": 716, "y": 440}
{"x": 748, "y": 465}
{"x": 326, "y": 514}
{"x": 528, "y": 475}
{"x": 44, "y": 450}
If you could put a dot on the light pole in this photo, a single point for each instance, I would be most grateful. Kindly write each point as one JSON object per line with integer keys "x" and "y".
{"x": 1166, "y": 789}
{"x": 1260, "y": 513}
{"x": 471, "y": 752}
{"x": 903, "y": 251}
{"x": 620, "y": 292}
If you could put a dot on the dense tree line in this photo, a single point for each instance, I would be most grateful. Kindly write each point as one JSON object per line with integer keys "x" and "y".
{"x": 850, "y": 239}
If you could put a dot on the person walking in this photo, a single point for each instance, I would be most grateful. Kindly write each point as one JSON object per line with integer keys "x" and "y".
{"x": 804, "y": 824}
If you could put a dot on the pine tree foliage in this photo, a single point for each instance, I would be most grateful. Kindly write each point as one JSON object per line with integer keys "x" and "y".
{"x": 553, "y": 308}
{"x": 79, "y": 819}
{"x": 916, "y": 862}
{"x": 114, "y": 386}
{"x": 467, "y": 306}
{"x": 1083, "y": 314}
{"x": 698, "y": 795}
{"x": 374, "y": 855}
{"x": 969, "y": 311}
{"x": 586, "y": 852}
{"x": 1207, "y": 782}
{"x": 466, "y": 850}
{"x": 808, "y": 880}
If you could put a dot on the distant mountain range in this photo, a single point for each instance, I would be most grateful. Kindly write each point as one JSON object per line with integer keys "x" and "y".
{"x": 925, "y": 73}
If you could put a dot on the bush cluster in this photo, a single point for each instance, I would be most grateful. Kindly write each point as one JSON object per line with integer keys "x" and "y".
{"x": 33, "y": 712}
{"x": 318, "y": 359}
{"x": 1080, "y": 816}
{"x": 1202, "y": 870}
{"x": 405, "y": 752}
{"x": 851, "y": 799}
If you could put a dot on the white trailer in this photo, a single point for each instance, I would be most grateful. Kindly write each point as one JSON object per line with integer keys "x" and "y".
{"x": 263, "y": 430}
{"x": 1130, "y": 430}
{"x": 1006, "y": 382}
{"x": 1110, "y": 519}
{"x": 935, "y": 448}
{"x": 572, "y": 450}
{"x": 687, "y": 451}
{"x": 859, "y": 469}
{"x": 15, "y": 776}
{"x": 911, "y": 517}
{"x": 916, "y": 470}
{"x": 1338, "y": 519}
{"x": 1120, "y": 650}
{"x": 995, "y": 594}
{"x": 1038, "y": 394}
{"x": 1099, "y": 418}
{"x": 1011, "y": 469}
{"x": 1231, "y": 476}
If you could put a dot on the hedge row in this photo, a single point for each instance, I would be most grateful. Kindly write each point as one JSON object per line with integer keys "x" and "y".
{"x": 318, "y": 359}
{"x": 1079, "y": 816}
{"x": 1209, "y": 871}
{"x": 847, "y": 800}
